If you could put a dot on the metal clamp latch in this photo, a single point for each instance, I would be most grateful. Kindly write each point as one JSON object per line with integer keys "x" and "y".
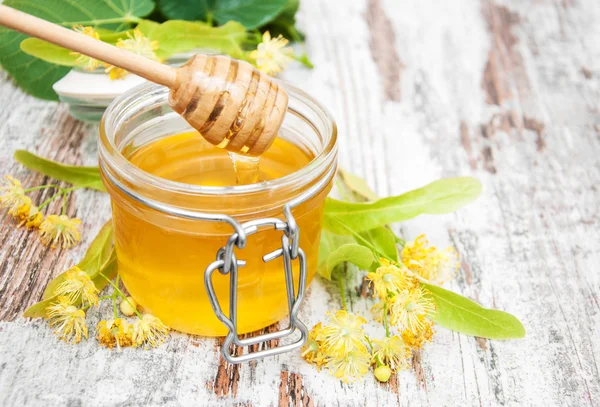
{"x": 227, "y": 263}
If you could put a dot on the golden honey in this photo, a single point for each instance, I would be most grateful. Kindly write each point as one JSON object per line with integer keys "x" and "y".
{"x": 162, "y": 257}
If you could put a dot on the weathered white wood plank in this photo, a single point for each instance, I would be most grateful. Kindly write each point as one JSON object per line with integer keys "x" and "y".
{"x": 508, "y": 91}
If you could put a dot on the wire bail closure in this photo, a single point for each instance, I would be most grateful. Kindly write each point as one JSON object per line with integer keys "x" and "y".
{"x": 227, "y": 263}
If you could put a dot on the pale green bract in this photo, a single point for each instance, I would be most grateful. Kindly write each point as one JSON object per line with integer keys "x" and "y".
{"x": 462, "y": 315}
{"x": 50, "y": 53}
{"x": 35, "y": 76}
{"x": 61, "y": 56}
{"x": 357, "y": 186}
{"x": 179, "y": 36}
{"x": 88, "y": 177}
{"x": 100, "y": 261}
{"x": 443, "y": 196}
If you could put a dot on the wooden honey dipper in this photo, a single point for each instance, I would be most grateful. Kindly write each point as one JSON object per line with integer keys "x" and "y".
{"x": 232, "y": 104}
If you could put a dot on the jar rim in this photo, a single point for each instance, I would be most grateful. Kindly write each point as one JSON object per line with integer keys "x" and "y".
{"x": 114, "y": 159}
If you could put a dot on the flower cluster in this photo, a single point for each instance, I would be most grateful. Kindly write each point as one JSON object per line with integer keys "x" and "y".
{"x": 54, "y": 230}
{"x": 83, "y": 61}
{"x": 348, "y": 353}
{"x": 272, "y": 55}
{"x": 340, "y": 346}
{"x": 403, "y": 306}
{"x": 403, "y": 302}
{"x": 135, "y": 42}
{"x": 77, "y": 293}
{"x": 432, "y": 264}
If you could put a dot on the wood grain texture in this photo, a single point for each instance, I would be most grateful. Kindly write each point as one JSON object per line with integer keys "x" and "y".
{"x": 507, "y": 91}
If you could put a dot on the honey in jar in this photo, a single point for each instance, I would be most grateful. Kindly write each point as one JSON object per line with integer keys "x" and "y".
{"x": 153, "y": 166}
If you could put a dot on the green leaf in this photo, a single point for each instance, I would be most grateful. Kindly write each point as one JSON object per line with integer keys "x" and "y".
{"x": 35, "y": 76}
{"x": 384, "y": 241}
{"x": 88, "y": 177}
{"x": 179, "y": 36}
{"x": 96, "y": 255}
{"x": 48, "y": 52}
{"x": 351, "y": 252}
{"x": 250, "y": 13}
{"x": 285, "y": 24}
{"x": 443, "y": 196}
{"x": 109, "y": 269}
{"x": 462, "y": 315}
{"x": 190, "y": 10}
{"x": 357, "y": 186}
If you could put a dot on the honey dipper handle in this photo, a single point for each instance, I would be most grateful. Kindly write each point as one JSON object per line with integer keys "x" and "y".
{"x": 36, "y": 27}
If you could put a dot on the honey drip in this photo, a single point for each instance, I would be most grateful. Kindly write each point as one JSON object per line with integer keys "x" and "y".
{"x": 246, "y": 168}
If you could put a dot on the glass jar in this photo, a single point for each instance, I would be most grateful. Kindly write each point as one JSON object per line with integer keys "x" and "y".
{"x": 163, "y": 251}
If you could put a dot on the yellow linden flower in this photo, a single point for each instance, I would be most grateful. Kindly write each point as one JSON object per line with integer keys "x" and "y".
{"x": 272, "y": 55}
{"x": 344, "y": 334}
{"x": 137, "y": 43}
{"x": 67, "y": 320}
{"x": 352, "y": 365}
{"x": 114, "y": 72}
{"x": 430, "y": 263}
{"x": 390, "y": 278}
{"x": 12, "y": 196}
{"x": 114, "y": 332}
{"x": 416, "y": 340}
{"x": 410, "y": 308}
{"x": 391, "y": 352}
{"x": 83, "y": 61}
{"x": 32, "y": 218}
{"x": 57, "y": 230}
{"x": 149, "y": 331}
{"x": 23, "y": 210}
{"x": 312, "y": 351}
{"x": 78, "y": 285}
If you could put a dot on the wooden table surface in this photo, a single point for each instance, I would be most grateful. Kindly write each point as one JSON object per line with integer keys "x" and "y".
{"x": 506, "y": 91}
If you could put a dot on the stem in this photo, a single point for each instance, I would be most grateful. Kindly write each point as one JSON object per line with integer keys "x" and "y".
{"x": 105, "y": 297}
{"x": 118, "y": 291}
{"x": 342, "y": 291}
{"x": 47, "y": 201}
{"x": 369, "y": 343}
{"x": 294, "y": 35}
{"x": 41, "y": 187}
{"x": 124, "y": 19}
{"x": 385, "y": 321}
{"x": 64, "y": 204}
{"x": 303, "y": 59}
{"x": 209, "y": 18}
{"x": 114, "y": 301}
